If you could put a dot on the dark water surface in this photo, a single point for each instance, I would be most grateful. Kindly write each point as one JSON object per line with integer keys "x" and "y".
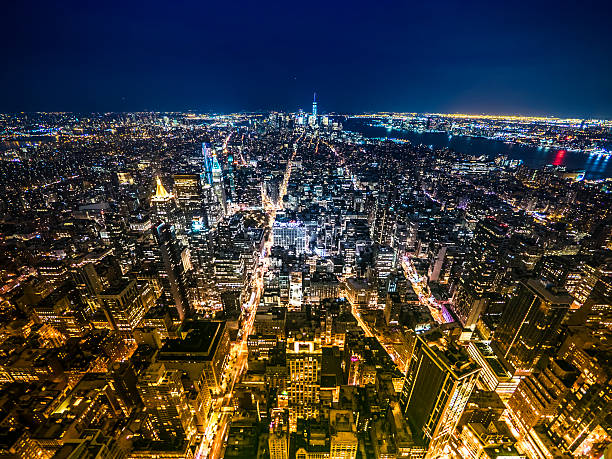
{"x": 596, "y": 167}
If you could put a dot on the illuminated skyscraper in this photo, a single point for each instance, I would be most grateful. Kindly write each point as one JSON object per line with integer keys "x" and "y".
{"x": 173, "y": 263}
{"x": 163, "y": 203}
{"x": 304, "y": 362}
{"x": 166, "y": 402}
{"x": 530, "y": 323}
{"x": 314, "y": 105}
{"x": 208, "y": 163}
{"x": 438, "y": 384}
{"x": 125, "y": 303}
{"x": 483, "y": 271}
{"x": 278, "y": 440}
{"x": 291, "y": 235}
{"x": 188, "y": 191}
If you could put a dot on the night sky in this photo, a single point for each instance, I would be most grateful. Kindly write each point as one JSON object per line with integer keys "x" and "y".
{"x": 490, "y": 56}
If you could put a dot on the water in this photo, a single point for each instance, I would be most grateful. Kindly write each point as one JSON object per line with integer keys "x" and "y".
{"x": 596, "y": 167}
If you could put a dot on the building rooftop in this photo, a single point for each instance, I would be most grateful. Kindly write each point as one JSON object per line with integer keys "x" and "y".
{"x": 198, "y": 340}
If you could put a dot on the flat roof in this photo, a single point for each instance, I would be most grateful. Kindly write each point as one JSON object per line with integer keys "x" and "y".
{"x": 199, "y": 341}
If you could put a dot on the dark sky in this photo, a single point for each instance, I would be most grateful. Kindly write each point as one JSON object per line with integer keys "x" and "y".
{"x": 527, "y": 57}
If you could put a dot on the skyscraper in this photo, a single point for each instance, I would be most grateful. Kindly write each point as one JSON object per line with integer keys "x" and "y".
{"x": 438, "y": 384}
{"x": 163, "y": 203}
{"x": 167, "y": 403}
{"x": 188, "y": 190}
{"x": 304, "y": 362}
{"x": 530, "y": 324}
{"x": 125, "y": 303}
{"x": 314, "y": 105}
{"x": 208, "y": 163}
{"x": 482, "y": 272}
{"x": 172, "y": 262}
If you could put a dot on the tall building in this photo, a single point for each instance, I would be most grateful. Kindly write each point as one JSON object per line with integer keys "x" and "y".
{"x": 188, "y": 191}
{"x": 344, "y": 441}
{"x": 581, "y": 423}
{"x": 166, "y": 402}
{"x": 163, "y": 203}
{"x": 124, "y": 382}
{"x": 530, "y": 323}
{"x": 200, "y": 352}
{"x": 208, "y": 163}
{"x": 304, "y": 362}
{"x": 314, "y": 105}
{"x": 438, "y": 384}
{"x": 278, "y": 440}
{"x": 483, "y": 270}
{"x": 538, "y": 395}
{"x": 125, "y": 304}
{"x": 173, "y": 263}
{"x": 291, "y": 235}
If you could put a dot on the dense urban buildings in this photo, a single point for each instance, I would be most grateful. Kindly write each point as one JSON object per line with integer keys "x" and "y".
{"x": 275, "y": 285}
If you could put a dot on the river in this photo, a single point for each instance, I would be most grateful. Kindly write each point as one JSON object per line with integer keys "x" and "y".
{"x": 596, "y": 167}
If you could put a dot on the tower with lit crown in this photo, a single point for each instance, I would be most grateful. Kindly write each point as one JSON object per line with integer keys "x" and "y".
{"x": 163, "y": 203}
{"x": 314, "y": 105}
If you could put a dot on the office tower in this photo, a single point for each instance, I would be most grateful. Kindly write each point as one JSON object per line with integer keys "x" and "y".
{"x": 232, "y": 305}
{"x": 125, "y": 304}
{"x": 166, "y": 403}
{"x": 393, "y": 308}
{"x": 581, "y": 424}
{"x": 295, "y": 291}
{"x": 438, "y": 384}
{"x": 382, "y": 218}
{"x": 538, "y": 395}
{"x": 314, "y": 105}
{"x": 344, "y": 441}
{"x": 201, "y": 260}
{"x": 163, "y": 204}
{"x": 291, "y": 235}
{"x": 385, "y": 262}
{"x": 229, "y": 270}
{"x": 596, "y": 311}
{"x": 200, "y": 351}
{"x": 63, "y": 309}
{"x": 208, "y": 163}
{"x": 87, "y": 281}
{"x": 188, "y": 191}
{"x": 125, "y": 383}
{"x": 172, "y": 265}
{"x": 304, "y": 385}
{"x": 278, "y": 440}
{"x": 529, "y": 325}
{"x": 483, "y": 271}
{"x": 230, "y": 177}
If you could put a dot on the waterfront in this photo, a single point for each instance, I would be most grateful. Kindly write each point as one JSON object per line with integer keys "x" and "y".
{"x": 596, "y": 167}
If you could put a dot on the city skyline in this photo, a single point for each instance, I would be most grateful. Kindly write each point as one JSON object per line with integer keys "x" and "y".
{"x": 279, "y": 230}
